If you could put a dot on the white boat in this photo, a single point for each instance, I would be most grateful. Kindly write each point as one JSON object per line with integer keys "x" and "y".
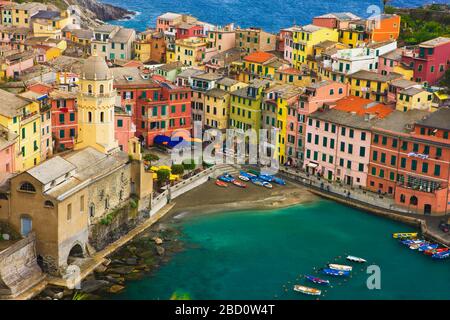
{"x": 267, "y": 185}
{"x": 356, "y": 259}
{"x": 307, "y": 290}
{"x": 243, "y": 178}
{"x": 340, "y": 267}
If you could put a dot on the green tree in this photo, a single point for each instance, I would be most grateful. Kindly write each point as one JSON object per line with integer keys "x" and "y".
{"x": 163, "y": 176}
{"x": 177, "y": 169}
{"x": 150, "y": 157}
{"x": 189, "y": 165}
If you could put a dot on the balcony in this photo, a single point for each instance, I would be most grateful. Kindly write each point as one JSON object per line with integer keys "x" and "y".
{"x": 28, "y": 116}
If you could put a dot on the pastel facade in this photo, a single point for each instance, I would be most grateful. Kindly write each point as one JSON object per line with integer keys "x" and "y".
{"x": 414, "y": 98}
{"x": 222, "y": 39}
{"x": 113, "y": 42}
{"x": 260, "y": 65}
{"x": 124, "y": 128}
{"x": 21, "y": 13}
{"x": 8, "y": 145}
{"x": 64, "y": 117}
{"x": 254, "y": 39}
{"x": 191, "y": 51}
{"x": 370, "y": 85}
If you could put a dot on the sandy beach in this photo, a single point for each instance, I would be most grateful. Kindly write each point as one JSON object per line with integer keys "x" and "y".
{"x": 209, "y": 198}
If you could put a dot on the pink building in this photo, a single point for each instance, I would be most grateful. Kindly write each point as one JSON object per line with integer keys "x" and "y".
{"x": 314, "y": 97}
{"x": 124, "y": 127}
{"x": 187, "y": 30}
{"x": 339, "y": 20}
{"x": 14, "y": 65}
{"x": 339, "y": 137}
{"x": 387, "y": 62}
{"x": 167, "y": 20}
{"x": 287, "y": 44}
{"x": 430, "y": 60}
{"x": 8, "y": 141}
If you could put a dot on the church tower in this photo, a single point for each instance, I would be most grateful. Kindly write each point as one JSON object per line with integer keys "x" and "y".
{"x": 96, "y": 99}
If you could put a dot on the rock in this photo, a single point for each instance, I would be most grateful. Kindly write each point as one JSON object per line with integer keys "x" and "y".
{"x": 122, "y": 270}
{"x": 93, "y": 285}
{"x": 119, "y": 280}
{"x": 47, "y": 298}
{"x": 6, "y": 236}
{"x": 160, "y": 250}
{"x": 116, "y": 288}
{"x": 58, "y": 295}
{"x": 158, "y": 240}
{"x": 131, "y": 261}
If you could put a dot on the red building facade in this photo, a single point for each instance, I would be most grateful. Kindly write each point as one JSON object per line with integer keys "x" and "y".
{"x": 64, "y": 119}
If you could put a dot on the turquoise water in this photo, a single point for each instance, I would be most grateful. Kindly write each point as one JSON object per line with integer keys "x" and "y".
{"x": 270, "y": 15}
{"x": 253, "y": 254}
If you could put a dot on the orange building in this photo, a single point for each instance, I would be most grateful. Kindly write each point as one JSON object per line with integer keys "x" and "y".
{"x": 385, "y": 27}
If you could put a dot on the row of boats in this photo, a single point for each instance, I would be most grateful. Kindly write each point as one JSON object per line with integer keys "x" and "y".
{"x": 263, "y": 180}
{"x": 333, "y": 270}
{"x": 421, "y": 245}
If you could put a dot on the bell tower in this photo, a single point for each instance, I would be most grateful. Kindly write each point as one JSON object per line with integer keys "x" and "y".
{"x": 96, "y": 99}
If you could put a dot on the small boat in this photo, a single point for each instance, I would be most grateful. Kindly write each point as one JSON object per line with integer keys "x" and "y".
{"x": 403, "y": 235}
{"x": 221, "y": 184}
{"x": 243, "y": 178}
{"x": 416, "y": 246}
{"x": 356, "y": 259}
{"x": 226, "y": 178}
{"x": 257, "y": 182}
{"x": 411, "y": 242}
{"x": 266, "y": 177}
{"x": 317, "y": 280}
{"x": 267, "y": 185}
{"x": 279, "y": 181}
{"x": 333, "y": 272}
{"x": 247, "y": 174}
{"x": 239, "y": 184}
{"x": 428, "y": 247}
{"x": 307, "y": 290}
{"x": 433, "y": 251}
{"x": 441, "y": 255}
{"x": 340, "y": 267}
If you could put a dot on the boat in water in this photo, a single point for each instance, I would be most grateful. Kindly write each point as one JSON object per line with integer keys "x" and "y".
{"x": 244, "y": 178}
{"x": 307, "y": 290}
{"x": 333, "y": 272}
{"x": 356, "y": 259}
{"x": 429, "y": 246}
{"x": 411, "y": 242}
{"x": 441, "y": 255}
{"x": 434, "y": 251}
{"x": 239, "y": 184}
{"x": 317, "y": 280}
{"x": 403, "y": 235}
{"x": 340, "y": 267}
{"x": 221, "y": 184}
{"x": 416, "y": 246}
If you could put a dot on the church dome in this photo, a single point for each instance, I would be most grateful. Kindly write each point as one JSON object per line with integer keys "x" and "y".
{"x": 95, "y": 68}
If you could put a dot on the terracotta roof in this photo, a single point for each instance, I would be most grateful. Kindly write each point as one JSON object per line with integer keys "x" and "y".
{"x": 289, "y": 71}
{"x": 363, "y": 106}
{"x": 259, "y": 57}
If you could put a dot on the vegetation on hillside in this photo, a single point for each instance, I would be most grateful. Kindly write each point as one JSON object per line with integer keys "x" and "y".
{"x": 61, "y": 4}
{"x": 422, "y": 24}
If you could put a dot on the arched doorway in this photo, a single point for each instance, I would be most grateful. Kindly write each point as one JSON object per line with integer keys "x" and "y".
{"x": 76, "y": 251}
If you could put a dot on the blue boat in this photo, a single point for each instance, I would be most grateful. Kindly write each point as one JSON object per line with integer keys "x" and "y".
{"x": 441, "y": 255}
{"x": 247, "y": 174}
{"x": 428, "y": 247}
{"x": 257, "y": 181}
{"x": 226, "y": 178}
{"x": 317, "y": 280}
{"x": 338, "y": 273}
{"x": 266, "y": 177}
{"x": 279, "y": 181}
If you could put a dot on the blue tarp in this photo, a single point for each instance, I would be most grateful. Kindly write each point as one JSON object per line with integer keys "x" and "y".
{"x": 170, "y": 142}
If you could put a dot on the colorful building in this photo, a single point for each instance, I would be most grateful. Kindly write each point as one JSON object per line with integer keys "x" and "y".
{"x": 150, "y": 47}
{"x": 255, "y": 39}
{"x": 414, "y": 98}
{"x": 371, "y": 85}
{"x": 260, "y": 65}
{"x": 124, "y": 128}
{"x": 429, "y": 61}
{"x": 22, "y": 116}
{"x": 384, "y": 27}
{"x": 46, "y": 23}
{"x": 8, "y": 145}
{"x": 216, "y": 113}
{"x": 222, "y": 39}
{"x": 191, "y": 51}
{"x": 21, "y": 13}
{"x": 64, "y": 119}
{"x": 113, "y": 42}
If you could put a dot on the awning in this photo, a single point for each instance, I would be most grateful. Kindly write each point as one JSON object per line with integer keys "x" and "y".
{"x": 312, "y": 165}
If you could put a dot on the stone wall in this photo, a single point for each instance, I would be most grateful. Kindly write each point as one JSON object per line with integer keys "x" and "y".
{"x": 19, "y": 270}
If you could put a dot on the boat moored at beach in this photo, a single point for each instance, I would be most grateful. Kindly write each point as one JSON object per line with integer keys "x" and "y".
{"x": 266, "y": 177}
{"x": 239, "y": 184}
{"x": 307, "y": 290}
{"x": 257, "y": 182}
{"x": 243, "y": 178}
{"x": 221, "y": 184}
{"x": 333, "y": 272}
{"x": 356, "y": 259}
{"x": 267, "y": 185}
{"x": 317, "y": 280}
{"x": 247, "y": 174}
{"x": 226, "y": 178}
{"x": 279, "y": 181}
{"x": 340, "y": 267}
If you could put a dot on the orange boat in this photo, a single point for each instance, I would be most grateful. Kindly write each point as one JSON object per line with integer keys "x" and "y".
{"x": 221, "y": 184}
{"x": 238, "y": 183}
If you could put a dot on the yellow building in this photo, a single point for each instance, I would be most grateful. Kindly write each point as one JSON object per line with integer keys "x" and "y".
{"x": 96, "y": 100}
{"x": 49, "y": 23}
{"x": 190, "y": 51}
{"x": 230, "y": 85}
{"x": 260, "y": 65}
{"x": 351, "y": 37}
{"x": 22, "y": 117}
{"x": 414, "y": 98}
{"x": 143, "y": 47}
{"x": 304, "y": 40}
{"x": 245, "y": 105}
{"x": 292, "y": 76}
{"x": 21, "y": 13}
{"x": 217, "y": 108}
{"x": 371, "y": 85}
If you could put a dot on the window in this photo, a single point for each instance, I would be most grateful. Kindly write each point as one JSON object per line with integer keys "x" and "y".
{"x": 61, "y": 133}
{"x": 81, "y": 203}
{"x": 119, "y": 123}
{"x": 393, "y": 160}
{"x": 27, "y": 187}
{"x": 414, "y": 165}
{"x": 361, "y": 167}
{"x": 69, "y": 211}
{"x": 102, "y": 116}
{"x": 425, "y": 167}
{"x": 362, "y": 151}
{"x": 89, "y": 116}
{"x": 437, "y": 170}
{"x": 363, "y": 136}
{"x": 375, "y": 156}
{"x": 48, "y": 204}
{"x": 102, "y": 89}
{"x": 72, "y": 116}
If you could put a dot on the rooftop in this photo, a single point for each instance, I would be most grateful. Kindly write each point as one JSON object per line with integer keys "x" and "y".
{"x": 171, "y": 66}
{"x": 216, "y": 93}
{"x": 373, "y": 76}
{"x": 123, "y": 35}
{"x": 348, "y": 119}
{"x": 439, "y": 119}
{"x": 401, "y": 122}
{"x": 11, "y": 104}
{"x": 51, "y": 169}
{"x": 259, "y": 57}
{"x": 411, "y": 91}
{"x": 131, "y": 76}
{"x": 435, "y": 42}
{"x": 363, "y": 106}
{"x": 47, "y": 14}
{"x": 227, "y": 82}
{"x": 343, "y": 16}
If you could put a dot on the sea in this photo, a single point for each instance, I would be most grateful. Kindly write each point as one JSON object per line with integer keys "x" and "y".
{"x": 263, "y": 254}
{"x": 271, "y": 15}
